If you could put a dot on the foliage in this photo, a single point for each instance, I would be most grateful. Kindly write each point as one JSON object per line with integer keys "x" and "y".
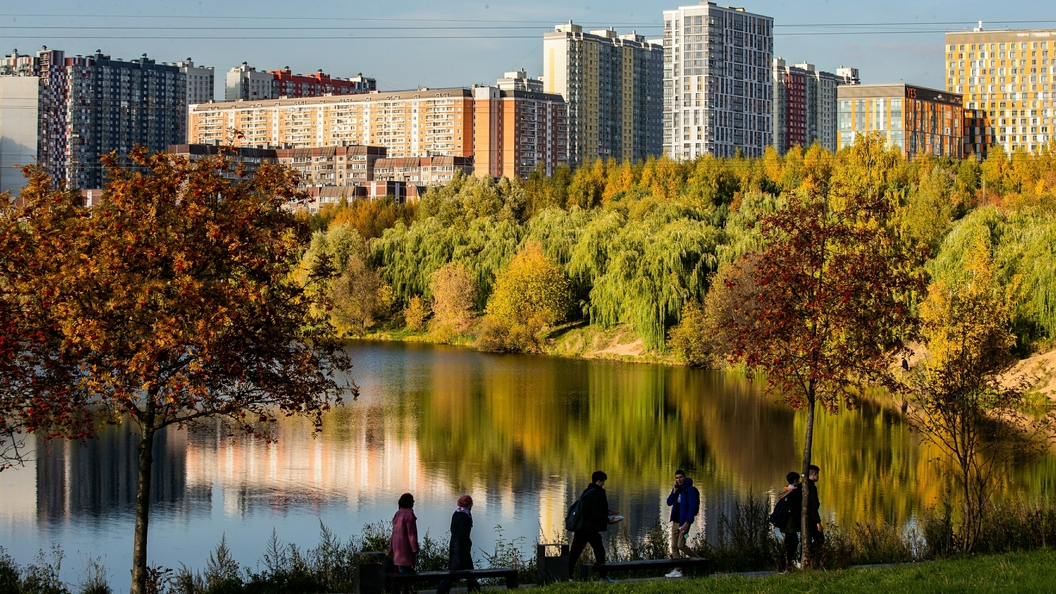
{"x": 831, "y": 298}
{"x": 169, "y": 302}
{"x": 416, "y": 313}
{"x": 531, "y": 295}
{"x": 689, "y": 338}
{"x": 453, "y": 290}
{"x": 359, "y": 298}
{"x": 962, "y": 403}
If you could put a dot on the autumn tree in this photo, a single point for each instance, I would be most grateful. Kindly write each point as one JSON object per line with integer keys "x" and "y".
{"x": 531, "y": 295}
{"x": 829, "y": 304}
{"x": 172, "y": 301}
{"x": 962, "y": 397}
{"x": 453, "y": 290}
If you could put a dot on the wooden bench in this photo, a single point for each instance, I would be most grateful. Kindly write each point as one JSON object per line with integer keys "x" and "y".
{"x": 689, "y": 565}
{"x": 394, "y": 581}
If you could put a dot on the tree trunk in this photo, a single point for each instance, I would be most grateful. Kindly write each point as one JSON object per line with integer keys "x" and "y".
{"x": 808, "y": 443}
{"x": 146, "y": 462}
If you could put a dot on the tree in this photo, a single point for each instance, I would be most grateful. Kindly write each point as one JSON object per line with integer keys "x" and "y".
{"x": 453, "y": 292}
{"x": 171, "y": 301}
{"x": 829, "y": 308}
{"x": 530, "y": 295}
{"x": 962, "y": 400}
{"x": 358, "y": 297}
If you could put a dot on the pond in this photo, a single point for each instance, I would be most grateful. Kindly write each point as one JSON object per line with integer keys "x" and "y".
{"x": 520, "y": 433}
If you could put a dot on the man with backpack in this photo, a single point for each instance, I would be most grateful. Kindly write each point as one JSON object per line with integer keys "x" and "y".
{"x": 588, "y": 517}
{"x": 684, "y": 502}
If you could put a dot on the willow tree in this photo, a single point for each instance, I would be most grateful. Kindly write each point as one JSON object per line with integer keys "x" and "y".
{"x": 823, "y": 305}
{"x": 172, "y": 301}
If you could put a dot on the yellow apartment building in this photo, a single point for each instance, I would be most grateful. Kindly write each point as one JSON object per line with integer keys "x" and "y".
{"x": 424, "y": 122}
{"x": 1008, "y": 78}
{"x": 916, "y": 120}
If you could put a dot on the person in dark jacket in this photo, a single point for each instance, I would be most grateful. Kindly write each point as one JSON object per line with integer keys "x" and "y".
{"x": 791, "y": 532}
{"x": 684, "y": 501}
{"x": 596, "y": 517}
{"x": 814, "y": 527}
{"x": 461, "y": 547}
{"x": 815, "y": 531}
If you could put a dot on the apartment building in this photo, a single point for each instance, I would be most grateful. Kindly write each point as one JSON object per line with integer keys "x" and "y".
{"x": 718, "y": 91}
{"x": 19, "y": 100}
{"x": 519, "y": 81}
{"x": 333, "y": 165}
{"x": 88, "y": 106}
{"x": 423, "y": 122}
{"x": 517, "y": 131}
{"x": 421, "y": 171}
{"x": 246, "y": 83}
{"x": 916, "y": 120}
{"x": 805, "y": 104}
{"x": 1008, "y": 79}
{"x": 201, "y": 81}
{"x": 319, "y": 84}
{"x": 613, "y": 87}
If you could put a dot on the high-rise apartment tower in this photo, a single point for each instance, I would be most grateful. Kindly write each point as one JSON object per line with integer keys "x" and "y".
{"x": 1008, "y": 79}
{"x": 718, "y": 92}
{"x": 613, "y": 86}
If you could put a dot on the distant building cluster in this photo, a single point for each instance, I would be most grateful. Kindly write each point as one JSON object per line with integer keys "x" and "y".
{"x": 711, "y": 85}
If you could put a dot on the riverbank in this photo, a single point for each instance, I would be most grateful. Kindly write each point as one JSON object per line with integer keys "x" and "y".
{"x": 1011, "y": 572}
{"x": 572, "y": 341}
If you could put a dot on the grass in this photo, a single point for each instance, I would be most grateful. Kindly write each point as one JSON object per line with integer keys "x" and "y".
{"x": 1011, "y": 572}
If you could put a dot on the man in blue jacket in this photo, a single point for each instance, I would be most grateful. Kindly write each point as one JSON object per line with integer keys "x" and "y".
{"x": 684, "y": 501}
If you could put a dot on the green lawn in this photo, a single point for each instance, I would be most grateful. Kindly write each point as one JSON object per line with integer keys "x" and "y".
{"x": 1014, "y": 572}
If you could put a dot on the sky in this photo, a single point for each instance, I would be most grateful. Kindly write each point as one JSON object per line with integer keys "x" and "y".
{"x": 406, "y": 45}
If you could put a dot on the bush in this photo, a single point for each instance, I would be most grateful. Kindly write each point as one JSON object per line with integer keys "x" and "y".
{"x": 415, "y": 314}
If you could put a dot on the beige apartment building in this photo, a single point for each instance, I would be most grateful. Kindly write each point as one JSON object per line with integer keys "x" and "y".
{"x": 424, "y": 122}
{"x": 1008, "y": 79}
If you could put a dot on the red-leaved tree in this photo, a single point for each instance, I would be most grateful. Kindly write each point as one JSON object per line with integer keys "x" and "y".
{"x": 169, "y": 302}
{"x": 822, "y": 307}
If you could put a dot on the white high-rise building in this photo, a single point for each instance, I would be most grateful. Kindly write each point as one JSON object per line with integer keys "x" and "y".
{"x": 718, "y": 91}
{"x": 18, "y": 129}
{"x": 244, "y": 82}
{"x": 201, "y": 81}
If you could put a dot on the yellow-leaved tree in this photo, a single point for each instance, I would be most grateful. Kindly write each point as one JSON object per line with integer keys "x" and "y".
{"x": 531, "y": 295}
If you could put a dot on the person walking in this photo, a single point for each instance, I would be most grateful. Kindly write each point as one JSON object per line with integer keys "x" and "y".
{"x": 790, "y": 530}
{"x": 461, "y": 547}
{"x": 596, "y": 518}
{"x": 684, "y": 502}
{"x": 404, "y": 541}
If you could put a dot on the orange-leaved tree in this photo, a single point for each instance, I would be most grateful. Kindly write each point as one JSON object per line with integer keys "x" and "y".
{"x": 168, "y": 302}
{"x": 824, "y": 305}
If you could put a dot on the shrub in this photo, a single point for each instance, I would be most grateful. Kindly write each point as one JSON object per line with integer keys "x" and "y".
{"x": 415, "y": 314}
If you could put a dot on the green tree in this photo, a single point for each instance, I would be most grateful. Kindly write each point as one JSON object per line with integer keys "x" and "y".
{"x": 170, "y": 302}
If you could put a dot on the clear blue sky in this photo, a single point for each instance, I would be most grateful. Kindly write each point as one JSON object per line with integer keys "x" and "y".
{"x": 395, "y": 41}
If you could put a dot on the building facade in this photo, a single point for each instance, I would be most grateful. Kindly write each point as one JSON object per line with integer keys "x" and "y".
{"x": 1008, "y": 78}
{"x": 805, "y": 104}
{"x": 915, "y": 120}
{"x": 424, "y": 122}
{"x": 517, "y": 131}
{"x": 613, "y": 87}
{"x": 718, "y": 89}
{"x": 519, "y": 81}
{"x": 316, "y": 85}
{"x": 201, "y": 81}
{"x": 19, "y": 99}
{"x": 246, "y": 83}
{"x": 421, "y": 171}
{"x": 88, "y": 106}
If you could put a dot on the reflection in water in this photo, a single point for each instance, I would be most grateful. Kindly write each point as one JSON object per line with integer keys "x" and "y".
{"x": 521, "y": 434}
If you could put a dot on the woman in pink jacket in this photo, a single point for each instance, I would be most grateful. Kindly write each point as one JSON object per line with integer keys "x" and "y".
{"x": 404, "y": 542}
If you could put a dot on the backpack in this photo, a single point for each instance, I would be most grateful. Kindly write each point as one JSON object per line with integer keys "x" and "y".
{"x": 782, "y": 513}
{"x": 574, "y": 520}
